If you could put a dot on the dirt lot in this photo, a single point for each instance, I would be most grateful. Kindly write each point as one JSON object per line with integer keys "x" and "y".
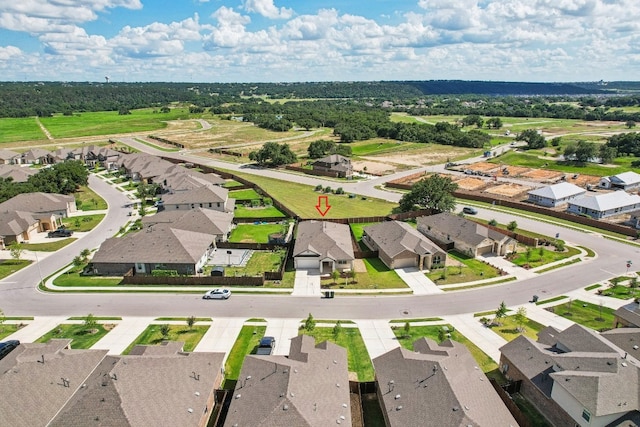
{"x": 376, "y": 168}
{"x": 514, "y": 171}
{"x": 583, "y": 180}
{"x": 508, "y": 190}
{"x": 471, "y": 184}
{"x": 415, "y": 157}
{"x": 483, "y": 167}
{"x": 542, "y": 175}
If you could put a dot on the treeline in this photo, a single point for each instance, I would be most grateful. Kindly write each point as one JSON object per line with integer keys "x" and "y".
{"x": 61, "y": 178}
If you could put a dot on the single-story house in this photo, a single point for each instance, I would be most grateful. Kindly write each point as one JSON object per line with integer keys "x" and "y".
{"x": 468, "y": 237}
{"x": 574, "y": 377}
{"x": 556, "y": 195}
{"x": 400, "y": 245}
{"x": 143, "y": 167}
{"x": 324, "y": 246}
{"x": 7, "y": 157}
{"x": 16, "y": 172}
{"x": 34, "y": 156}
{"x": 437, "y": 385}
{"x": 605, "y": 205}
{"x": 308, "y": 388}
{"x": 17, "y": 226}
{"x": 60, "y": 205}
{"x": 157, "y": 247}
{"x": 334, "y": 163}
{"x": 623, "y": 181}
{"x": 54, "y": 385}
{"x": 198, "y": 220}
{"x": 627, "y": 316}
{"x": 206, "y": 196}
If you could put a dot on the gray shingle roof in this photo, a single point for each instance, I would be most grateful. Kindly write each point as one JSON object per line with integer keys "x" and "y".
{"x": 309, "y": 388}
{"x": 16, "y": 172}
{"x": 558, "y": 191}
{"x": 160, "y": 243}
{"x": 8, "y": 154}
{"x": 394, "y": 238}
{"x": 37, "y": 202}
{"x": 15, "y": 223}
{"x": 327, "y": 239}
{"x": 203, "y": 194}
{"x": 438, "y": 383}
{"x": 584, "y": 364}
{"x": 459, "y": 228}
{"x": 198, "y": 220}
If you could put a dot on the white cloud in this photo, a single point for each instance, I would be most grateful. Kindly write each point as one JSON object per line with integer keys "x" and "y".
{"x": 8, "y": 52}
{"x": 267, "y": 9}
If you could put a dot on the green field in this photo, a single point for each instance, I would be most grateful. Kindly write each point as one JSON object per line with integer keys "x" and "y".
{"x": 508, "y": 328}
{"x": 302, "y": 199}
{"x": 590, "y": 315}
{"x": 259, "y": 262}
{"x": 22, "y": 129}
{"x": 109, "y": 122}
{"x": 378, "y": 276}
{"x": 246, "y": 194}
{"x": 10, "y": 266}
{"x": 259, "y": 212}
{"x": 255, "y": 233}
{"x": 6, "y": 330}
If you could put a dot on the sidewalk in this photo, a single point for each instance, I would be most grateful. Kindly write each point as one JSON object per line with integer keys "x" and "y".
{"x": 221, "y": 335}
{"x": 378, "y": 336}
{"x": 511, "y": 269}
{"x": 418, "y": 281}
{"x": 282, "y": 330}
{"x": 36, "y": 328}
{"x": 125, "y": 332}
{"x": 487, "y": 340}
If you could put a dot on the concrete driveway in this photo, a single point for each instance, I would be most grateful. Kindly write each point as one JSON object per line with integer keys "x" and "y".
{"x": 417, "y": 281}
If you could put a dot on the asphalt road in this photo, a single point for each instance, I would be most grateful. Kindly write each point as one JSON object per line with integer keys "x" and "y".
{"x": 19, "y": 295}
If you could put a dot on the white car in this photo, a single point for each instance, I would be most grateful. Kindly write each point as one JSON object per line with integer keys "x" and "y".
{"x": 217, "y": 294}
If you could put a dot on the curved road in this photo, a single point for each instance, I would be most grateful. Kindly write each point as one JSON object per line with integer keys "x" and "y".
{"x": 20, "y": 297}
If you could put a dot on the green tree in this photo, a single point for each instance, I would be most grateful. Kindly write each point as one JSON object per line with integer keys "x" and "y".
{"x": 164, "y": 330}
{"x": 494, "y": 122}
{"x": 512, "y": 226}
{"x": 353, "y": 275}
{"x": 533, "y": 139}
{"x": 521, "y": 318}
{"x": 434, "y": 192}
{"x": 273, "y": 154}
{"x": 320, "y": 148}
{"x": 630, "y": 124}
{"x": 493, "y": 222}
{"x": 501, "y": 312}
{"x": 191, "y": 320}
{"x": 473, "y": 119}
{"x": 85, "y": 254}
{"x": 77, "y": 263}
{"x": 607, "y": 154}
{"x": 335, "y": 275}
{"x": 16, "y": 249}
{"x": 337, "y": 330}
{"x": 309, "y": 323}
{"x": 90, "y": 322}
{"x": 407, "y": 329}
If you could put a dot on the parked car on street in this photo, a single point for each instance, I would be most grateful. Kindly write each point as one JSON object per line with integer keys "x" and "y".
{"x": 60, "y": 232}
{"x": 7, "y": 347}
{"x": 266, "y": 346}
{"x": 217, "y": 293}
{"x": 469, "y": 210}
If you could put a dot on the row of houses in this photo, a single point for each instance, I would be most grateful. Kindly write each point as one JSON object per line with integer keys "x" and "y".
{"x": 578, "y": 202}
{"x": 52, "y": 384}
{"x": 327, "y": 246}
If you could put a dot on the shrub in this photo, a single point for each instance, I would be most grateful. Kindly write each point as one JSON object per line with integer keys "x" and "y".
{"x": 164, "y": 273}
{"x": 493, "y": 222}
{"x": 318, "y": 187}
{"x": 339, "y": 190}
{"x": 327, "y": 189}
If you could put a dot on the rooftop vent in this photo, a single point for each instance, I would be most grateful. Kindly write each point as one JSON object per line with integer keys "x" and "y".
{"x": 238, "y": 396}
{"x": 344, "y": 405}
{"x": 197, "y": 393}
{"x": 285, "y": 407}
{"x": 399, "y": 408}
{"x": 397, "y": 396}
{"x": 635, "y": 347}
{"x": 190, "y": 410}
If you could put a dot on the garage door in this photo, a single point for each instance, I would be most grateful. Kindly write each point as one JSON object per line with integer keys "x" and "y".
{"x": 307, "y": 263}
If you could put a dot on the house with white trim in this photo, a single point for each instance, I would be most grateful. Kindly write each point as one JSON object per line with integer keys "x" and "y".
{"x": 605, "y": 205}
{"x": 555, "y": 195}
{"x": 324, "y": 246}
{"x": 623, "y": 181}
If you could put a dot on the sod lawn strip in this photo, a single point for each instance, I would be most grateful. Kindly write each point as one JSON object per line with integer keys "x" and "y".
{"x": 621, "y": 292}
{"x": 7, "y": 329}
{"x": 259, "y": 262}
{"x": 191, "y": 336}
{"x": 357, "y": 354}
{"x": 259, "y": 212}
{"x": 378, "y": 276}
{"x": 74, "y": 279}
{"x": 246, "y": 194}
{"x": 81, "y": 336}
{"x": 592, "y": 316}
{"x": 83, "y": 223}
{"x": 10, "y": 266}
{"x": 246, "y": 343}
{"x": 508, "y": 328}
{"x": 541, "y": 256}
{"x": 52, "y": 246}
{"x": 469, "y": 270}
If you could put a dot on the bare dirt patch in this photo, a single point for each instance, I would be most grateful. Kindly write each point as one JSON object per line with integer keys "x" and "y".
{"x": 483, "y": 167}
{"x": 542, "y": 175}
{"x": 376, "y": 168}
{"x": 471, "y": 184}
{"x": 513, "y": 170}
{"x": 508, "y": 190}
{"x": 416, "y": 157}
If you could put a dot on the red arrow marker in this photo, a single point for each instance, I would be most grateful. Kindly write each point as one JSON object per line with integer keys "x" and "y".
{"x": 323, "y": 209}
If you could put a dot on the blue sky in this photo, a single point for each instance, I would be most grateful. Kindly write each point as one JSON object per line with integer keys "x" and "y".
{"x": 305, "y": 40}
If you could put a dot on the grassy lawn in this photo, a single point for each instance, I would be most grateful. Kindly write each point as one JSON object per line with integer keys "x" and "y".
{"x": 621, "y": 292}
{"x": 88, "y": 200}
{"x": 152, "y": 336}
{"x": 73, "y": 278}
{"x": 20, "y": 129}
{"x": 109, "y": 122}
{"x": 246, "y": 194}
{"x": 259, "y": 262}
{"x": 541, "y": 256}
{"x": 49, "y": 246}
{"x": 378, "y": 276}
{"x": 6, "y": 330}
{"x": 349, "y": 338}
{"x": 488, "y": 366}
{"x": 259, "y": 212}
{"x": 358, "y": 229}
{"x": 10, "y": 266}
{"x": 509, "y": 328}
{"x": 83, "y": 223}
{"x": 246, "y": 343}
{"x": 255, "y": 233}
{"x": 230, "y": 184}
{"x": 590, "y": 315}
{"x": 302, "y": 199}
{"x": 81, "y": 337}
{"x": 470, "y": 270}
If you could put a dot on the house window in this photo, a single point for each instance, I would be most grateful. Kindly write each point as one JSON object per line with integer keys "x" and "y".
{"x": 436, "y": 259}
{"x": 586, "y": 415}
{"x": 218, "y": 204}
{"x": 192, "y": 206}
{"x": 200, "y": 204}
{"x": 342, "y": 261}
{"x": 210, "y": 205}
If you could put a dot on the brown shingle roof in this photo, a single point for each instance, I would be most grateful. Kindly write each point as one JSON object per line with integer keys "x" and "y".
{"x": 199, "y": 220}
{"x": 203, "y": 194}
{"x": 15, "y": 223}
{"x": 37, "y": 202}
{"x": 394, "y": 237}
{"x": 459, "y": 228}
{"x": 327, "y": 239}
{"x": 438, "y": 383}
{"x": 309, "y": 388}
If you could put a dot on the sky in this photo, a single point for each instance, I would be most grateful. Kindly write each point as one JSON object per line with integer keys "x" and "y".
{"x": 323, "y": 40}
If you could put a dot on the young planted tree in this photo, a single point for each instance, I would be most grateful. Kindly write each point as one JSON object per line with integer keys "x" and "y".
{"x": 512, "y": 226}
{"x": 164, "y": 330}
{"x": 337, "y": 330}
{"x": 521, "y": 318}
{"x": 335, "y": 275}
{"x": 90, "y": 322}
{"x": 85, "y": 254}
{"x": 16, "y": 249}
{"x": 190, "y": 322}
{"x": 501, "y": 312}
{"x": 309, "y": 323}
{"x": 407, "y": 329}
